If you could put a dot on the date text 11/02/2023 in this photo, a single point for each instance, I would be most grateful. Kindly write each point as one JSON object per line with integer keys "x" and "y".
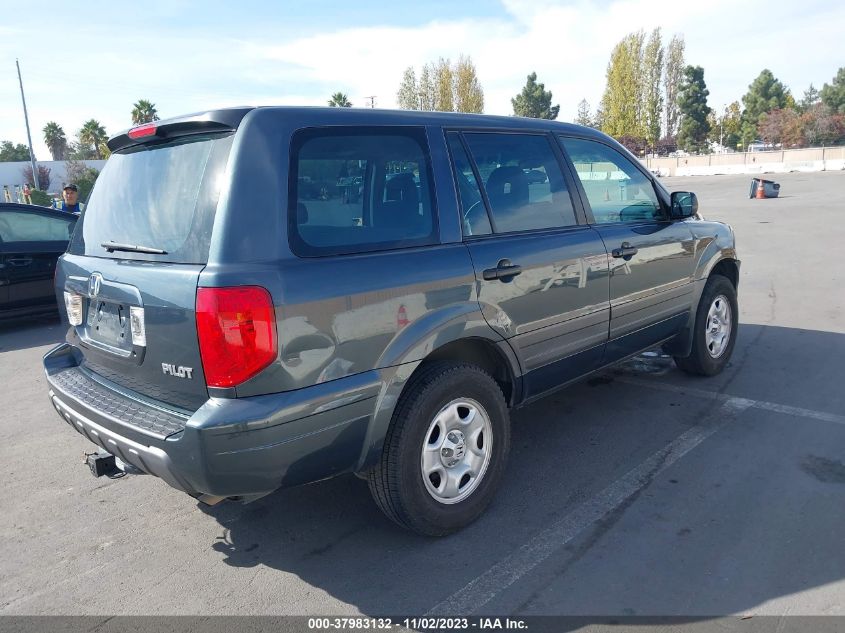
{"x": 416, "y": 623}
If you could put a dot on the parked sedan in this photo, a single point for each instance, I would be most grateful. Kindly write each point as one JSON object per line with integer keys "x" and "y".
{"x": 31, "y": 240}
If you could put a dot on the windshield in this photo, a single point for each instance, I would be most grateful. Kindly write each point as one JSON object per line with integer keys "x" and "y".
{"x": 161, "y": 197}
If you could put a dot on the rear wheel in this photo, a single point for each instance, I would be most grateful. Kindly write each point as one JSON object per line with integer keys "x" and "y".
{"x": 445, "y": 450}
{"x": 714, "y": 332}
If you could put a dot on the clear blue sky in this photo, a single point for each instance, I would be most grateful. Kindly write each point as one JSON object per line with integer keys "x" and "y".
{"x": 94, "y": 59}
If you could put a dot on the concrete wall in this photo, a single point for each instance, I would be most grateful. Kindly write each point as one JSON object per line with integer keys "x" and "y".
{"x": 777, "y": 162}
{"x": 12, "y": 173}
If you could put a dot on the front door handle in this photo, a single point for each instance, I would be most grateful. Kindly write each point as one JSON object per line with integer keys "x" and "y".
{"x": 504, "y": 271}
{"x": 19, "y": 261}
{"x": 625, "y": 251}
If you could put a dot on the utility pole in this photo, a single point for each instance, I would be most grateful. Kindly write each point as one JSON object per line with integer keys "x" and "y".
{"x": 372, "y": 100}
{"x": 28, "y": 135}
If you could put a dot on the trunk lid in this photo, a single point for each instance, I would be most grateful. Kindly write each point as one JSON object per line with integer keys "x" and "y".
{"x": 134, "y": 262}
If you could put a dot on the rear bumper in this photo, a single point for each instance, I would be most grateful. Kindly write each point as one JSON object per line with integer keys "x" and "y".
{"x": 228, "y": 447}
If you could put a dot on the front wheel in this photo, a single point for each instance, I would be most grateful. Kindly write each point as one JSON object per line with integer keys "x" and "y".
{"x": 445, "y": 450}
{"x": 714, "y": 333}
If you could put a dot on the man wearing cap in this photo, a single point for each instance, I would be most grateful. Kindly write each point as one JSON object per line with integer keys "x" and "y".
{"x": 70, "y": 200}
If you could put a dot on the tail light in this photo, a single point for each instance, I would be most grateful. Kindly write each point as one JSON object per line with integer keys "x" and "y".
{"x": 148, "y": 129}
{"x": 73, "y": 305}
{"x": 237, "y": 333}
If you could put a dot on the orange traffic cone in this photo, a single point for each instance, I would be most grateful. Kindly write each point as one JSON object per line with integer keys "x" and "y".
{"x": 761, "y": 192}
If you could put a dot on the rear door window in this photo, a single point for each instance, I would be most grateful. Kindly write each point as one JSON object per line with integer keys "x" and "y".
{"x": 360, "y": 189}
{"x": 523, "y": 181}
{"x": 159, "y": 195}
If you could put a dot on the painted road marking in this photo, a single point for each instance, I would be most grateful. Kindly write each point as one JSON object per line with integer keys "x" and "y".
{"x": 822, "y": 416}
{"x": 509, "y": 570}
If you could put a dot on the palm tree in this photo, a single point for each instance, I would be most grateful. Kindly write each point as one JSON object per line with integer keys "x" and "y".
{"x": 339, "y": 100}
{"x": 144, "y": 112}
{"x": 92, "y": 135}
{"x": 55, "y": 139}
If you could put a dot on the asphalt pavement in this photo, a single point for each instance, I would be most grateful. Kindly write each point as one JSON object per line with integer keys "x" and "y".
{"x": 641, "y": 491}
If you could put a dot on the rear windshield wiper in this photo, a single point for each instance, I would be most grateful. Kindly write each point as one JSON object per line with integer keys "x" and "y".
{"x": 111, "y": 247}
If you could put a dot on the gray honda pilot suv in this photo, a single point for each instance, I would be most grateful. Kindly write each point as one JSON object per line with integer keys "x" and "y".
{"x": 265, "y": 297}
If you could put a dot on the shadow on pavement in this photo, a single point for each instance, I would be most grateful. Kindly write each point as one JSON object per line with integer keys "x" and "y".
{"x": 25, "y": 333}
{"x": 568, "y": 447}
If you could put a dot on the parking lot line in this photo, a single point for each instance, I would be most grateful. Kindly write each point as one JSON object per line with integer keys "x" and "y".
{"x": 822, "y": 416}
{"x": 509, "y": 570}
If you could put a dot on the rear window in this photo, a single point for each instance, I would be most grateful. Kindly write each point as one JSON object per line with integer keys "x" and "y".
{"x": 359, "y": 189}
{"x": 161, "y": 196}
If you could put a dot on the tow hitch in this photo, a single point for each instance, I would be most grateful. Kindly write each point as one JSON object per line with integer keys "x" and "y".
{"x": 102, "y": 463}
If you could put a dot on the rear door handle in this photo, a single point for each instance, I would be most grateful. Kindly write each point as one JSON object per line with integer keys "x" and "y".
{"x": 504, "y": 271}
{"x": 625, "y": 251}
{"x": 19, "y": 261}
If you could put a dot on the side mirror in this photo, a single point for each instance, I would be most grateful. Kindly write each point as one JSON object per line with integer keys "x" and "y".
{"x": 684, "y": 204}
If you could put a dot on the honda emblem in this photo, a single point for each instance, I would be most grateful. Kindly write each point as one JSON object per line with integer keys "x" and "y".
{"x": 94, "y": 282}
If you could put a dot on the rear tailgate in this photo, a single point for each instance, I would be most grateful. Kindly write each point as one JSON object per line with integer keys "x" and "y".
{"x": 134, "y": 262}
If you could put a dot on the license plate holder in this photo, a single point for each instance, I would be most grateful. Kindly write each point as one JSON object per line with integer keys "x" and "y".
{"x": 109, "y": 323}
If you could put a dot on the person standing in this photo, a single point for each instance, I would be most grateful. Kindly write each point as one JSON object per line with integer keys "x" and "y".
{"x": 70, "y": 200}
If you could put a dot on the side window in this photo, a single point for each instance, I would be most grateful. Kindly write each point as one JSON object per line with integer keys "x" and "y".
{"x": 20, "y": 226}
{"x": 473, "y": 212}
{"x": 616, "y": 189}
{"x": 359, "y": 189}
{"x": 523, "y": 181}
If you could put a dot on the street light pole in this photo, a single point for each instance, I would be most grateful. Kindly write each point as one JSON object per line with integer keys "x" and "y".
{"x": 28, "y": 135}
{"x": 721, "y": 126}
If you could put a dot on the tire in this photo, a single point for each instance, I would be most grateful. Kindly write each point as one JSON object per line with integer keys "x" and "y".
{"x": 442, "y": 398}
{"x": 709, "y": 357}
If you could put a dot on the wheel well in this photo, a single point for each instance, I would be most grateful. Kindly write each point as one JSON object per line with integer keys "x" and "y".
{"x": 482, "y": 353}
{"x": 727, "y": 268}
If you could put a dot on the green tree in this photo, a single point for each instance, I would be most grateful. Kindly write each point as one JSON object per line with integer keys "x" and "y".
{"x": 407, "y": 97}
{"x": 811, "y": 97}
{"x": 443, "y": 87}
{"x": 535, "y": 101}
{"x": 83, "y": 176}
{"x": 144, "y": 112}
{"x": 427, "y": 94}
{"x": 622, "y": 104}
{"x": 40, "y": 197}
{"x": 92, "y": 136}
{"x": 764, "y": 94}
{"x": 672, "y": 78}
{"x": 469, "y": 95}
{"x": 692, "y": 105}
{"x": 340, "y": 100}
{"x": 9, "y": 152}
{"x": 833, "y": 94}
{"x": 652, "y": 96}
{"x": 584, "y": 117}
{"x": 55, "y": 140}
{"x": 731, "y": 131}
